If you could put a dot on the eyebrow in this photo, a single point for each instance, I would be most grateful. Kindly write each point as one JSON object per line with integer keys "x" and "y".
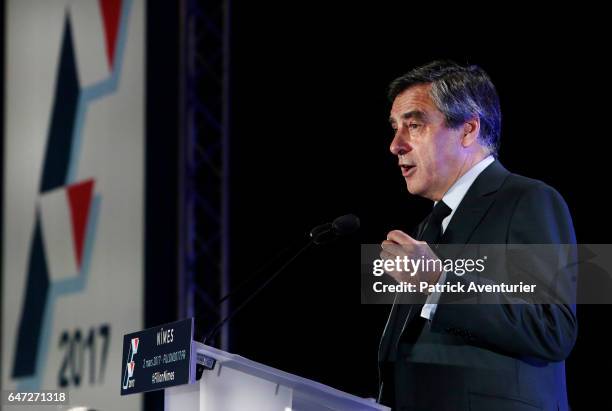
{"x": 416, "y": 114}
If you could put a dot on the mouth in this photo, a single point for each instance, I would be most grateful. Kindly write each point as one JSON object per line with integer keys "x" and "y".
{"x": 407, "y": 169}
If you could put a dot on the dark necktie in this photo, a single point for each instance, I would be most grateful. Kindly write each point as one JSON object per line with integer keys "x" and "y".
{"x": 433, "y": 231}
{"x": 431, "y": 235}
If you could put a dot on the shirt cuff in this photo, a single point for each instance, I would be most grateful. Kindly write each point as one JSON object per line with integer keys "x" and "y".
{"x": 431, "y": 304}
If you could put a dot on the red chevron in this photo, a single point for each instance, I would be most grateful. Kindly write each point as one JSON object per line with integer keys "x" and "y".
{"x": 79, "y": 198}
{"x": 111, "y": 10}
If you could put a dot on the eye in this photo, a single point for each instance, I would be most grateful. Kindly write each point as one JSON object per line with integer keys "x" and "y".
{"x": 413, "y": 126}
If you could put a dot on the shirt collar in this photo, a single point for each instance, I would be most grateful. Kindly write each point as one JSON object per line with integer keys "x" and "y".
{"x": 455, "y": 194}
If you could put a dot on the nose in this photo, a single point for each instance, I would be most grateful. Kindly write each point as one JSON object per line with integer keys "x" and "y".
{"x": 399, "y": 146}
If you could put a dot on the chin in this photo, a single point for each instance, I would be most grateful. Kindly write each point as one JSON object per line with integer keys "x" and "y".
{"x": 412, "y": 188}
{"x": 417, "y": 188}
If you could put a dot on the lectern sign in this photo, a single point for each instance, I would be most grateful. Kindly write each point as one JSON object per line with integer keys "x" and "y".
{"x": 157, "y": 358}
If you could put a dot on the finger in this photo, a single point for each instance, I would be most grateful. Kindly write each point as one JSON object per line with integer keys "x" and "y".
{"x": 400, "y": 237}
{"x": 385, "y": 255}
{"x": 392, "y": 273}
{"x": 394, "y": 248}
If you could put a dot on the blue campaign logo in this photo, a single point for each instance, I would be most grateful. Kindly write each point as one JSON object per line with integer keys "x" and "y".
{"x": 128, "y": 381}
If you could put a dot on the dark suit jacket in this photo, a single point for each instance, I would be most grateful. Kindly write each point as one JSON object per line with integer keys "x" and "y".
{"x": 487, "y": 357}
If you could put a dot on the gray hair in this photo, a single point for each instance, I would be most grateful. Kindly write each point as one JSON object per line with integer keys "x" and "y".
{"x": 460, "y": 93}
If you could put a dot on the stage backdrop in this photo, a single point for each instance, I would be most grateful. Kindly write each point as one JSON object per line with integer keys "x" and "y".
{"x": 73, "y": 207}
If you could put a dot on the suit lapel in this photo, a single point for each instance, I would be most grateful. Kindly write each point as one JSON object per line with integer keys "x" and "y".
{"x": 475, "y": 204}
{"x": 469, "y": 214}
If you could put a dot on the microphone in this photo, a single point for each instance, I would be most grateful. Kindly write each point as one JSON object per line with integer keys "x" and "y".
{"x": 341, "y": 226}
{"x": 321, "y": 234}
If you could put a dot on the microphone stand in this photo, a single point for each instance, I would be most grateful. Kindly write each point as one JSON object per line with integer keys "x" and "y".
{"x": 220, "y": 324}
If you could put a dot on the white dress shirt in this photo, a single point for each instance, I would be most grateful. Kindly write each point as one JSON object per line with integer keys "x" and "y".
{"x": 452, "y": 199}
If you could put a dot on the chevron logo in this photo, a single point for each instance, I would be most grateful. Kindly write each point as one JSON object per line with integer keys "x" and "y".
{"x": 67, "y": 207}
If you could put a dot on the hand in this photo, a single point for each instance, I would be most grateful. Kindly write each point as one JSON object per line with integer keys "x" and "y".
{"x": 400, "y": 244}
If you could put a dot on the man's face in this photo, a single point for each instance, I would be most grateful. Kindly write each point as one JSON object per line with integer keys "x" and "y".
{"x": 430, "y": 154}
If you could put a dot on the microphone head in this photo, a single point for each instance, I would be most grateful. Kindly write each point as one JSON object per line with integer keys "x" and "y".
{"x": 346, "y": 224}
{"x": 341, "y": 226}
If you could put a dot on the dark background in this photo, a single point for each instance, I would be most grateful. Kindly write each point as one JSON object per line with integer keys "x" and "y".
{"x": 310, "y": 142}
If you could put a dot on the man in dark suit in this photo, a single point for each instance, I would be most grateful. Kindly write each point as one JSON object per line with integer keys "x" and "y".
{"x": 439, "y": 356}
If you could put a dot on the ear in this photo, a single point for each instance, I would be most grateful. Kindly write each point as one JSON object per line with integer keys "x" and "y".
{"x": 471, "y": 130}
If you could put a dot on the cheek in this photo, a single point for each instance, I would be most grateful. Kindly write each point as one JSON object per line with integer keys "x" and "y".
{"x": 427, "y": 159}
{"x": 432, "y": 165}
{"x": 439, "y": 152}
{"x": 422, "y": 177}
{"x": 451, "y": 144}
